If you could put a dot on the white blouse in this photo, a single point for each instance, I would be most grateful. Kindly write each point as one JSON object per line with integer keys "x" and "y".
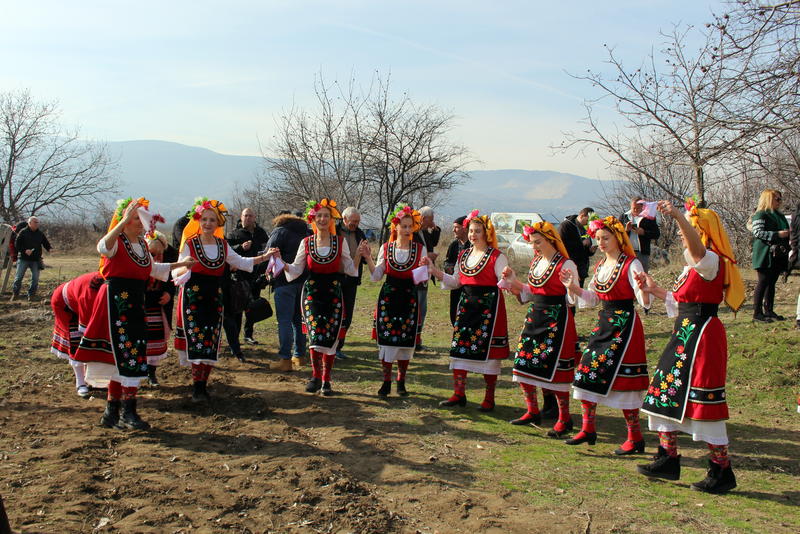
{"x": 707, "y": 268}
{"x": 159, "y": 271}
{"x": 452, "y": 281}
{"x": 298, "y": 266}
{"x": 588, "y": 297}
{"x": 210, "y": 251}
{"x": 527, "y": 295}
{"x": 400, "y": 255}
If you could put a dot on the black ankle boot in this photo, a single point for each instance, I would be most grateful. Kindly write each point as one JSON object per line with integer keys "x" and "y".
{"x": 313, "y": 385}
{"x": 151, "y": 376}
{"x": 401, "y": 388}
{"x": 326, "y": 389}
{"x": 553, "y": 433}
{"x": 386, "y": 388}
{"x": 583, "y": 437}
{"x": 662, "y": 466}
{"x": 455, "y": 400}
{"x": 549, "y": 407}
{"x": 199, "y": 392}
{"x": 718, "y": 479}
{"x": 111, "y": 415}
{"x": 527, "y": 419}
{"x": 129, "y": 418}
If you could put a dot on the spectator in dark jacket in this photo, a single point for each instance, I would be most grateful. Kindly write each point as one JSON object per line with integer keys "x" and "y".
{"x": 247, "y": 240}
{"x": 288, "y": 234}
{"x": 28, "y": 244}
{"x": 459, "y": 244}
{"x": 177, "y": 231}
{"x": 577, "y": 242}
{"x": 428, "y": 235}
{"x": 641, "y": 231}
{"x": 349, "y": 230}
{"x": 771, "y": 241}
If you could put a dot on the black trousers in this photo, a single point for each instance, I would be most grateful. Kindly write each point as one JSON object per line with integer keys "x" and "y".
{"x": 349, "y": 291}
{"x": 764, "y": 294}
{"x": 232, "y": 324}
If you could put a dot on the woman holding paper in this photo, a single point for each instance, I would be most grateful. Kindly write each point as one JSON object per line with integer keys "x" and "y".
{"x": 200, "y": 307}
{"x": 114, "y": 345}
{"x": 324, "y": 256}
{"x": 480, "y": 332}
{"x": 613, "y": 368}
{"x": 545, "y": 354}
{"x": 396, "y": 326}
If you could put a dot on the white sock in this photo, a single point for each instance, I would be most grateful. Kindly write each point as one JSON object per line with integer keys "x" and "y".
{"x": 79, "y": 368}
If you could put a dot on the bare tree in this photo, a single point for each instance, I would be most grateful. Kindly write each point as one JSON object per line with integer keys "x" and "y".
{"x": 44, "y": 166}
{"x": 673, "y": 115}
{"x": 364, "y": 148}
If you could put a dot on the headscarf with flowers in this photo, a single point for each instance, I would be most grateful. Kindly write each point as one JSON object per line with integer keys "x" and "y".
{"x": 401, "y": 212}
{"x": 486, "y": 222}
{"x": 312, "y": 207}
{"x": 714, "y": 237}
{"x": 548, "y": 231}
{"x": 200, "y": 205}
{"x": 150, "y": 224}
{"x": 613, "y": 225}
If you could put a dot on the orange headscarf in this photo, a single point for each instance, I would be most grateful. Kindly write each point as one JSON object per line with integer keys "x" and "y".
{"x": 547, "y": 231}
{"x": 714, "y": 237}
{"x": 202, "y": 204}
{"x": 613, "y": 225}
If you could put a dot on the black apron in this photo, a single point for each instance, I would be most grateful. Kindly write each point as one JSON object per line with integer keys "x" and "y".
{"x": 323, "y": 310}
{"x": 668, "y": 393}
{"x": 127, "y": 328}
{"x": 542, "y": 337}
{"x": 603, "y": 354}
{"x": 472, "y": 331}
{"x": 397, "y": 314}
{"x": 202, "y": 310}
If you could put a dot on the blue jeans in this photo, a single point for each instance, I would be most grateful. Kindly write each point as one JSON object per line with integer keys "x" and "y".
{"x": 22, "y": 266}
{"x": 290, "y": 322}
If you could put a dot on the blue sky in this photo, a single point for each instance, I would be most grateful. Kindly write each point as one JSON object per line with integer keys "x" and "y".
{"x": 216, "y": 74}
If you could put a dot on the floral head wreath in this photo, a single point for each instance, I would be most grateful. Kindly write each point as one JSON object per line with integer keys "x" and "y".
{"x": 475, "y": 216}
{"x": 548, "y": 231}
{"x": 613, "y": 225}
{"x": 312, "y": 207}
{"x": 401, "y": 212}
{"x": 202, "y": 204}
{"x": 122, "y": 205}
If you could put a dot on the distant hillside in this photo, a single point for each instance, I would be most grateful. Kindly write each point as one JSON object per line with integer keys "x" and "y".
{"x": 171, "y": 175}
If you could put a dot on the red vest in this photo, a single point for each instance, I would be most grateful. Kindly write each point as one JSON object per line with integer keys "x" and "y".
{"x": 125, "y": 263}
{"x": 323, "y": 264}
{"x": 398, "y": 270}
{"x": 215, "y": 267}
{"x": 617, "y": 287}
{"x": 694, "y": 288}
{"x": 480, "y": 275}
{"x": 550, "y": 282}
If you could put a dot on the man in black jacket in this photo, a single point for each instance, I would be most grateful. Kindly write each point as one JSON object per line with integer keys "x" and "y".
{"x": 289, "y": 231}
{"x": 28, "y": 244}
{"x": 579, "y": 245}
{"x": 458, "y": 244}
{"x": 428, "y": 235}
{"x": 248, "y": 239}
{"x": 350, "y": 232}
{"x": 641, "y": 231}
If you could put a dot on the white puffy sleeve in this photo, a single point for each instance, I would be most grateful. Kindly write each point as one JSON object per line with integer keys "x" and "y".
{"x": 643, "y": 298}
{"x": 108, "y": 253}
{"x": 298, "y": 266}
{"x": 182, "y": 279}
{"x": 347, "y": 266}
{"x": 500, "y": 263}
{"x": 451, "y": 281}
{"x": 380, "y": 265}
{"x": 588, "y": 297}
{"x": 159, "y": 271}
{"x": 707, "y": 267}
{"x": 671, "y": 304}
{"x": 234, "y": 260}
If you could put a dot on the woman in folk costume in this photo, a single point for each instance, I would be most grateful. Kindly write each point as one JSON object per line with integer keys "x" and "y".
{"x": 480, "y": 332}
{"x": 545, "y": 354}
{"x": 396, "y": 326}
{"x": 687, "y": 393}
{"x": 72, "y": 303}
{"x": 114, "y": 345}
{"x": 613, "y": 368}
{"x": 200, "y": 309}
{"x": 325, "y": 256}
{"x": 158, "y": 306}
